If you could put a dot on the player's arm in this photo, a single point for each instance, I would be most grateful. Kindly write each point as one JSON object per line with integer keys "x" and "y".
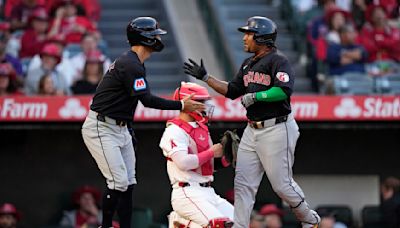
{"x": 174, "y": 144}
{"x": 137, "y": 86}
{"x": 232, "y": 89}
{"x": 186, "y": 161}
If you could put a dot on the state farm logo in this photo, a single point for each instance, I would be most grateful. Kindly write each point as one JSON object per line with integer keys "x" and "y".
{"x": 372, "y": 107}
{"x": 347, "y": 107}
{"x": 72, "y": 108}
{"x": 20, "y": 110}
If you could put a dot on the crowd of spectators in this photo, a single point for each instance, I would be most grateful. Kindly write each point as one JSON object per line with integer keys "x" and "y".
{"x": 50, "y": 47}
{"x": 336, "y": 37}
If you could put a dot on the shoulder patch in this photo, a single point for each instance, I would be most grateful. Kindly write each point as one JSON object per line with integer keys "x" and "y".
{"x": 282, "y": 76}
{"x": 139, "y": 84}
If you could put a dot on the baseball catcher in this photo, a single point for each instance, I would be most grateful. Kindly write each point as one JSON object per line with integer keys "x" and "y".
{"x": 190, "y": 155}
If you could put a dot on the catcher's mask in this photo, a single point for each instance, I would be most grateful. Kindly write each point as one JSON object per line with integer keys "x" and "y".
{"x": 201, "y": 95}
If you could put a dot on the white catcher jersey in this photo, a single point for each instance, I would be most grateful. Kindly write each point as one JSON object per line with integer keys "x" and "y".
{"x": 176, "y": 139}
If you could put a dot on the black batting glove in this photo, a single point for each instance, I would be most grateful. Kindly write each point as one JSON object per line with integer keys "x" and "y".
{"x": 195, "y": 70}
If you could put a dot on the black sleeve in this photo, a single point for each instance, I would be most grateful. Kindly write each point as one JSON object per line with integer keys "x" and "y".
{"x": 133, "y": 77}
{"x": 236, "y": 87}
{"x": 151, "y": 101}
{"x": 283, "y": 74}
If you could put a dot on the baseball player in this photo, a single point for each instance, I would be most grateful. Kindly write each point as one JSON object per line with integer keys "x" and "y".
{"x": 105, "y": 130}
{"x": 266, "y": 82}
{"x": 190, "y": 153}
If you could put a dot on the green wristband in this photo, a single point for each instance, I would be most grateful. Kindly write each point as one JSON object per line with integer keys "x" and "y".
{"x": 271, "y": 95}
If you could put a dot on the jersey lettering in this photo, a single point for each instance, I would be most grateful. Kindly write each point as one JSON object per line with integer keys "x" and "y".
{"x": 172, "y": 144}
{"x": 256, "y": 77}
{"x": 139, "y": 84}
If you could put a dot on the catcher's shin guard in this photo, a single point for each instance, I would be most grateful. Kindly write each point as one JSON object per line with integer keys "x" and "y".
{"x": 220, "y": 223}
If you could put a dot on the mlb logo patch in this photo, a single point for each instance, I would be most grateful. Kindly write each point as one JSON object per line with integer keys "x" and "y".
{"x": 139, "y": 84}
{"x": 282, "y": 76}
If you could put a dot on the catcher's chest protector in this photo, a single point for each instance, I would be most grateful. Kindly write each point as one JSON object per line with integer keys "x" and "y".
{"x": 201, "y": 139}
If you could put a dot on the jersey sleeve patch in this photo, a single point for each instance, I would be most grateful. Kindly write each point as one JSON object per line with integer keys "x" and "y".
{"x": 139, "y": 84}
{"x": 282, "y": 76}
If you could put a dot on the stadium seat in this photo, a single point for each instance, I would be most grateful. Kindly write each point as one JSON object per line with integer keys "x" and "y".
{"x": 371, "y": 217}
{"x": 142, "y": 217}
{"x": 353, "y": 84}
{"x": 289, "y": 219}
{"x": 388, "y": 84}
{"x": 342, "y": 213}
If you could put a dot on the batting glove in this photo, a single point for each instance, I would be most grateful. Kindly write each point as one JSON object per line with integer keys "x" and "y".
{"x": 248, "y": 99}
{"x": 195, "y": 70}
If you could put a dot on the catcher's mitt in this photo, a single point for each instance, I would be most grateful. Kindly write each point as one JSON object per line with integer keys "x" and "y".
{"x": 230, "y": 144}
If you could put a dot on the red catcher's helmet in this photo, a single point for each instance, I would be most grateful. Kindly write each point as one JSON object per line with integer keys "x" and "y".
{"x": 200, "y": 94}
{"x": 10, "y": 209}
{"x": 52, "y": 50}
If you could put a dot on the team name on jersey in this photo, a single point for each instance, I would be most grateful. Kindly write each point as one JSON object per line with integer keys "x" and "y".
{"x": 256, "y": 77}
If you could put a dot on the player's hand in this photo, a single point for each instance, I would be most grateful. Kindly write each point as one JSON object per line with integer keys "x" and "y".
{"x": 191, "y": 105}
{"x": 195, "y": 70}
{"x": 248, "y": 99}
{"x": 217, "y": 148}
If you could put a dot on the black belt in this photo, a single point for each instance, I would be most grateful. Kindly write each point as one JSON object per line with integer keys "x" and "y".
{"x": 185, "y": 184}
{"x": 103, "y": 118}
{"x": 262, "y": 123}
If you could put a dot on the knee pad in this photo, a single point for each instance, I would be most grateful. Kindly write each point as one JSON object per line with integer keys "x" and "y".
{"x": 220, "y": 223}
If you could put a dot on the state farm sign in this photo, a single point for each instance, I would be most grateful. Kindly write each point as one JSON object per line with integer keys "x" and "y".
{"x": 304, "y": 108}
{"x": 369, "y": 108}
{"x": 12, "y": 109}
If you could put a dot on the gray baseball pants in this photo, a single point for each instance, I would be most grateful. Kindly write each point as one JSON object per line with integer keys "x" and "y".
{"x": 270, "y": 150}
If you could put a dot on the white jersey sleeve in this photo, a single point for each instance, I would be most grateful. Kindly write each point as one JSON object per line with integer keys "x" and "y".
{"x": 173, "y": 140}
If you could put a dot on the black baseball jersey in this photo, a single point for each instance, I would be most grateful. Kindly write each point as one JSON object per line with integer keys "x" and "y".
{"x": 271, "y": 70}
{"x": 122, "y": 86}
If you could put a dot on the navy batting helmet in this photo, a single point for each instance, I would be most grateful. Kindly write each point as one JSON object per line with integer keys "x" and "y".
{"x": 265, "y": 30}
{"x": 144, "y": 31}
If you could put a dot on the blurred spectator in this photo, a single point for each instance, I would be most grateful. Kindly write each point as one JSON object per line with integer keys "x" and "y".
{"x": 87, "y": 212}
{"x": 70, "y": 25}
{"x": 4, "y": 56}
{"x": 64, "y": 66}
{"x": 272, "y": 216}
{"x": 329, "y": 221}
{"x": 8, "y": 84}
{"x": 92, "y": 9}
{"x": 378, "y": 37}
{"x": 88, "y": 44}
{"x": 50, "y": 57}
{"x": 34, "y": 38}
{"x": 390, "y": 205}
{"x": 358, "y": 12}
{"x": 92, "y": 74}
{"x": 21, "y": 12}
{"x": 317, "y": 29}
{"x": 336, "y": 18}
{"x": 46, "y": 86}
{"x": 256, "y": 220}
{"x": 9, "y": 216}
{"x": 346, "y": 56}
